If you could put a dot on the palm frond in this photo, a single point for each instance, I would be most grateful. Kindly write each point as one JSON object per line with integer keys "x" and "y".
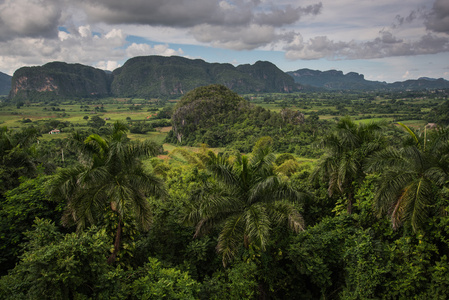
{"x": 231, "y": 237}
{"x": 410, "y": 132}
{"x": 417, "y": 196}
{"x": 284, "y": 211}
{"x": 390, "y": 188}
{"x": 257, "y": 225}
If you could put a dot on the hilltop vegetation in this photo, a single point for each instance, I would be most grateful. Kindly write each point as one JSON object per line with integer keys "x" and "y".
{"x": 218, "y": 117}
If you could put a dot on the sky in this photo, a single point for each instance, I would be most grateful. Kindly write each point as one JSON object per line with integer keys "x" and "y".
{"x": 386, "y": 40}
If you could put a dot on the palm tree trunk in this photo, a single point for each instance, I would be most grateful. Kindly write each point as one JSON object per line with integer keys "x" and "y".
{"x": 349, "y": 207}
{"x": 118, "y": 237}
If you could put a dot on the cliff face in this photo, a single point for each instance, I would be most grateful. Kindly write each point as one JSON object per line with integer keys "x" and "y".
{"x": 59, "y": 79}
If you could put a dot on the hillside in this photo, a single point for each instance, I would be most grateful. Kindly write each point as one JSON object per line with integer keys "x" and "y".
{"x": 5, "y": 83}
{"x": 216, "y": 116}
{"x": 58, "y": 79}
{"x": 205, "y": 107}
{"x": 156, "y": 76}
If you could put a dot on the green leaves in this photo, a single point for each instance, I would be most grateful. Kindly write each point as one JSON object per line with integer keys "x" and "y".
{"x": 411, "y": 178}
{"x": 110, "y": 175}
{"x": 244, "y": 201}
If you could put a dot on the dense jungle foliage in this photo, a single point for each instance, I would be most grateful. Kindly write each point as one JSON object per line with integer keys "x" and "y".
{"x": 101, "y": 215}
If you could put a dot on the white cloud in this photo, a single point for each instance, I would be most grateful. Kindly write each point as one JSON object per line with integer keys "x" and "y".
{"x": 145, "y": 49}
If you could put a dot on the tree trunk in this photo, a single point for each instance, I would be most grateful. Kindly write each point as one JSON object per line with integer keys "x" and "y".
{"x": 349, "y": 207}
{"x": 118, "y": 237}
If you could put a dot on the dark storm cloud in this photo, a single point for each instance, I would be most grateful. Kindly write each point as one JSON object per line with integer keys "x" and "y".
{"x": 438, "y": 18}
{"x": 189, "y": 13}
{"x": 29, "y": 18}
{"x": 237, "y": 24}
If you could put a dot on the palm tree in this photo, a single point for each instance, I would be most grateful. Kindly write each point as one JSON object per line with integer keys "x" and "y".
{"x": 412, "y": 177}
{"x": 109, "y": 175}
{"x": 245, "y": 200}
{"x": 347, "y": 149}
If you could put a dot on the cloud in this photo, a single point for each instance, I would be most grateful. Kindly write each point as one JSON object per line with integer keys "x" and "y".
{"x": 236, "y": 38}
{"x": 385, "y": 45}
{"x": 406, "y": 75}
{"x": 17, "y": 21}
{"x": 176, "y": 13}
{"x": 438, "y": 18}
{"x": 145, "y": 49}
{"x": 77, "y": 46}
{"x": 278, "y": 17}
{"x": 237, "y": 25}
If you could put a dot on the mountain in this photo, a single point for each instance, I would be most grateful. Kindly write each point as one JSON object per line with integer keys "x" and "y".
{"x": 336, "y": 80}
{"x": 5, "y": 83}
{"x": 59, "y": 80}
{"x": 174, "y": 76}
{"x": 420, "y": 84}
{"x": 156, "y": 76}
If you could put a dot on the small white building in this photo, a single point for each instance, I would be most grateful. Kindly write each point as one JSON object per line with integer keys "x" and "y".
{"x": 54, "y": 131}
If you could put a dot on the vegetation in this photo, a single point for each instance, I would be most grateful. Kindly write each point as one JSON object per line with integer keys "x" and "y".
{"x": 295, "y": 200}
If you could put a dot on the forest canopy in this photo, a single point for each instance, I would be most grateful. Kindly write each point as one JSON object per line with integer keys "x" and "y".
{"x": 249, "y": 203}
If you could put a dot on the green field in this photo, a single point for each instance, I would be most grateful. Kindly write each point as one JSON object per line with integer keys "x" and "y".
{"x": 362, "y": 107}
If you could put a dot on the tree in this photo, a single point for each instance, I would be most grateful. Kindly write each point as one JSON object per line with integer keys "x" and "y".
{"x": 17, "y": 213}
{"x": 17, "y": 156}
{"x": 347, "y": 149}
{"x": 96, "y": 122}
{"x": 110, "y": 176}
{"x": 246, "y": 199}
{"x": 412, "y": 177}
{"x": 55, "y": 266}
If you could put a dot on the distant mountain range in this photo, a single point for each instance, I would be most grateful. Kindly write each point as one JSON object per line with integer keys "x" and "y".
{"x": 5, "y": 83}
{"x": 336, "y": 80}
{"x": 171, "y": 77}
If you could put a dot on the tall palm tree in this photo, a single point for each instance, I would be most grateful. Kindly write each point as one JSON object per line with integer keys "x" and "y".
{"x": 347, "y": 148}
{"x": 245, "y": 200}
{"x": 109, "y": 175}
{"x": 412, "y": 177}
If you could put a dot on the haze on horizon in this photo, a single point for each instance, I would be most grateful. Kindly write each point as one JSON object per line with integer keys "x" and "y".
{"x": 386, "y": 40}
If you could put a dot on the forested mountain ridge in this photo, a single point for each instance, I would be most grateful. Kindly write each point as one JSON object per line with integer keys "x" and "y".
{"x": 174, "y": 76}
{"x": 147, "y": 77}
{"x": 5, "y": 83}
{"x": 156, "y": 76}
{"x": 336, "y": 80}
